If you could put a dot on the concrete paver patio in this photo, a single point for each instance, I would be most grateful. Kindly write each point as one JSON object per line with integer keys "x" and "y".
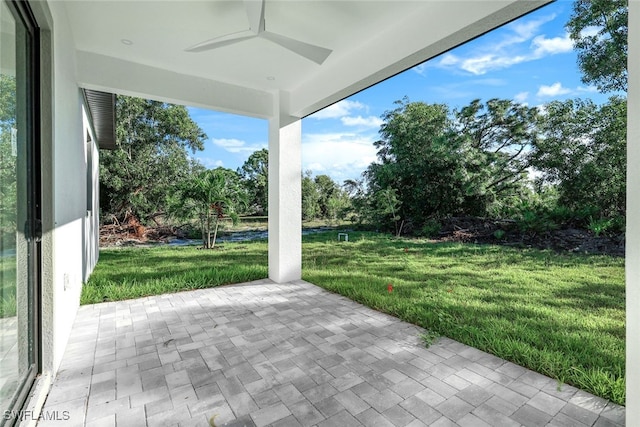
{"x": 261, "y": 353}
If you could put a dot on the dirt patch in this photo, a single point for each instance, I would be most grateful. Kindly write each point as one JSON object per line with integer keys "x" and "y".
{"x": 505, "y": 232}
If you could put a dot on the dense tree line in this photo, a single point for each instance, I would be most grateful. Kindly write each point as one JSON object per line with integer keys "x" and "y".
{"x": 151, "y": 177}
{"x": 323, "y": 198}
{"x": 562, "y": 164}
{"x": 151, "y": 160}
{"x": 559, "y": 164}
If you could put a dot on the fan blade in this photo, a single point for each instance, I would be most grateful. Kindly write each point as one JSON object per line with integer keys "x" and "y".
{"x": 314, "y": 53}
{"x": 255, "y": 14}
{"x": 222, "y": 41}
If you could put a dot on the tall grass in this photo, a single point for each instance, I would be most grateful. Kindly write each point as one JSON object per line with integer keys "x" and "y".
{"x": 137, "y": 272}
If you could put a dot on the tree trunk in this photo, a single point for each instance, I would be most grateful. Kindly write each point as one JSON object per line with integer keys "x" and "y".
{"x": 208, "y": 229}
{"x": 202, "y": 231}
{"x": 215, "y": 233}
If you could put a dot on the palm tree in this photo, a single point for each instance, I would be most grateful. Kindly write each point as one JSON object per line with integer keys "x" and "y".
{"x": 212, "y": 195}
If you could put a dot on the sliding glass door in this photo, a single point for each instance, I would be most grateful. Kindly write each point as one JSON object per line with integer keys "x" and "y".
{"x": 19, "y": 207}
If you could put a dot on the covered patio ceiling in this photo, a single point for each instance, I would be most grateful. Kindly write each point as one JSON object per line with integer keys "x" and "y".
{"x": 140, "y": 47}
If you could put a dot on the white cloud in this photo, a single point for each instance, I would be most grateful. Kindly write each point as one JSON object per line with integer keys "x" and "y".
{"x": 500, "y": 54}
{"x": 527, "y": 29}
{"x": 339, "y": 155}
{"x": 555, "y": 89}
{"x": 521, "y": 97}
{"x": 510, "y": 50}
{"x": 369, "y": 122}
{"x": 339, "y": 109}
{"x": 421, "y": 68}
{"x": 236, "y": 145}
{"x": 344, "y": 110}
{"x": 483, "y": 64}
{"x": 449, "y": 59}
{"x": 544, "y": 46}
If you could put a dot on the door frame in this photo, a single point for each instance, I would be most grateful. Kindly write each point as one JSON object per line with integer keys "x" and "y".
{"x": 24, "y": 16}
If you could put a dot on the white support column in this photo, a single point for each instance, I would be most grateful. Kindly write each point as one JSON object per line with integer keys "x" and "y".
{"x": 285, "y": 199}
{"x": 633, "y": 220}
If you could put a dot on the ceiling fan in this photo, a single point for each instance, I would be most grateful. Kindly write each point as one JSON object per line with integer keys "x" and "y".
{"x": 255, "y": 15}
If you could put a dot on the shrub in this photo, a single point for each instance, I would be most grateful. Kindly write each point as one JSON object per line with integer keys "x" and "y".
{"x": 431, "y": 228}
{"x": 536, "y": 221}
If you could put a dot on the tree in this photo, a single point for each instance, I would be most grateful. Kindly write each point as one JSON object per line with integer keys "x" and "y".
{"x": 582, "y": 149}
{"x": 500, "y": 130}
{"x": 338, "y": 206}
{"x": 414, "y": 154}
{"x": 384, "y": 208}
{"x": 358, "y": 198}
{"x": 211, "y": 196}
{"x": 441, "y": 163}
{"x": 327, "y": 190}
{"x": 323, "y": 198}
{"x": 599, "y": 30}
{"x": 310, "y": 198}
{"x": 424, "y": 161}
{"x": 255, "y": 173}
{"x": 151, "y": 159}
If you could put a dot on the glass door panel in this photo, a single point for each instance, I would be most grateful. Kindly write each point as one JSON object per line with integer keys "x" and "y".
{"x": 17, "y": 247}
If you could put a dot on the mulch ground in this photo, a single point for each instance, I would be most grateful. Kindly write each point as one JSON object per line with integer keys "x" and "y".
{"x": 479, "y": 230}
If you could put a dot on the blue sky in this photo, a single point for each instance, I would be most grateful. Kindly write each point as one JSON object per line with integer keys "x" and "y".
{"x": 530, "y": 60}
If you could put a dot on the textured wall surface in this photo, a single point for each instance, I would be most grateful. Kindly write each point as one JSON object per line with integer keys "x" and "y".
{"x": 633, "y": 219}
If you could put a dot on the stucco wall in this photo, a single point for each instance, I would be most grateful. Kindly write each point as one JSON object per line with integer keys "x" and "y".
{"x": 70, "y": 224}
{"x": 633, "y": 219}
{"x": 68, "y": 187}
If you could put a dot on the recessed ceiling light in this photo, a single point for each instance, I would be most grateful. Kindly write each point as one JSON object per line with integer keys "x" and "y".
{"x": 127, "y": 42}
{"x": 270, "y": 78}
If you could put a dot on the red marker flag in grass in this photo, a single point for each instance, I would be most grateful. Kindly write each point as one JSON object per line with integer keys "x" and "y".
{"x": 390, "y": 287}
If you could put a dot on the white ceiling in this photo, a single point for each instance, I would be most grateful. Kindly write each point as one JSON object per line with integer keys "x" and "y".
{"x": 370, "y": 41}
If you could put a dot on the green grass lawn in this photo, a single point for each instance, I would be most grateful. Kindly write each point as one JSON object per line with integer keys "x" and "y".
{"x": 560, "y": 315}
{"x": 137, "y": 272}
